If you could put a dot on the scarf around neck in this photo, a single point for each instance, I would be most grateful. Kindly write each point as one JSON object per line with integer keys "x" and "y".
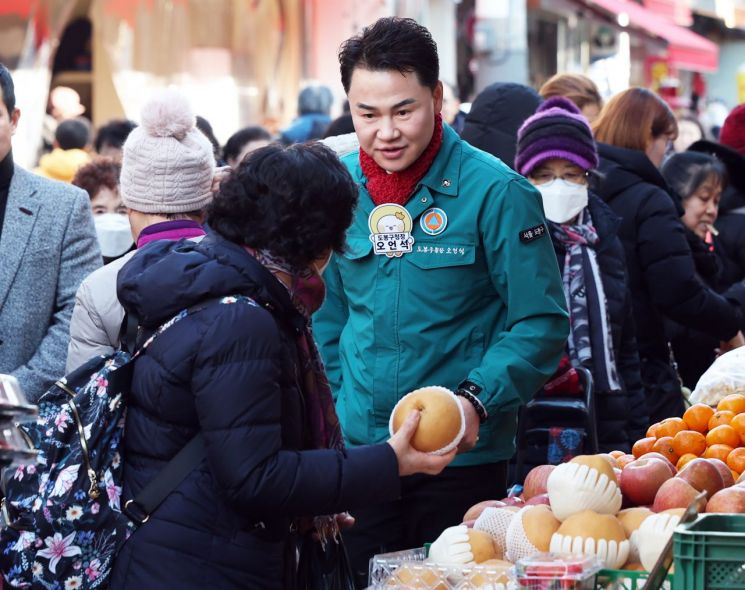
{"x": 590, "y": 341}
{"x": 398, "y": 187}
{"x": 307, "y": 292}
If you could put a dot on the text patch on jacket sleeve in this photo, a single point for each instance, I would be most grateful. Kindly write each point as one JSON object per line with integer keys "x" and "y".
{"x": 533, "y": 233}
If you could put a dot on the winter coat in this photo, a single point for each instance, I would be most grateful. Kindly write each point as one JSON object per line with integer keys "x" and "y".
{"x": 621, "y": 416}
{"x": 62, "y": 164}
{"x": 47, "y": 247}
{"x": 97, "y": 315}
{"x": 478, "y": 298}
{"x": 662, "y": 276}
{"x": 229, "y": 371}
{"x": 495, "y": 116}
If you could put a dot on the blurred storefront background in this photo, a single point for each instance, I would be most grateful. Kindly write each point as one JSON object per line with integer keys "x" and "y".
{"x": 244, "y": 61}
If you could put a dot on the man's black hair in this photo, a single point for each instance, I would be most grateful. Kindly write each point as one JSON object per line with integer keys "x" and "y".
{"x": 114, "y": 133}
{"x": 8, "y": 89}
{"x": 236, "y": 142}
{"x": 392, "y": 43}
{"x": 72, "y": 134}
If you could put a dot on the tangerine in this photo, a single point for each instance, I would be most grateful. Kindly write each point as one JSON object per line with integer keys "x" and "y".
{"x": 723, "y": 435}
{"x": 643, "y": 446}
{"x": 734, "y": 402}
{"x": 738, "y": 423}
{"x": 718, "y": 452}
{"x": 736, "y": 460}
{"x": 664, "y": 446}
{"x": 689, "y": 442}
{"x": 720, "y": 417}
{"x": 697, "y": 417}
{"x": 625, "y": 460}
{"x": 652, "y": 430}
{"x": 670, "y": 427}
{"x": 685, "y": 459}
{"x": 735, "y": 475}
{"x": 616, "y": 454}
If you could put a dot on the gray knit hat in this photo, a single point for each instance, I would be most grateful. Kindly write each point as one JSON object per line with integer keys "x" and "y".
{"x": 168, "y": 164}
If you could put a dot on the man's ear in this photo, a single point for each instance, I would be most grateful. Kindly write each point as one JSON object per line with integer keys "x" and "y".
{"x": 437, "y": 97}
{"x": 14, "y": 116}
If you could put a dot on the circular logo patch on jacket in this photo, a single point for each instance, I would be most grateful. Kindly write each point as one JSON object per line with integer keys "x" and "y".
{"x": 433, "y": 221}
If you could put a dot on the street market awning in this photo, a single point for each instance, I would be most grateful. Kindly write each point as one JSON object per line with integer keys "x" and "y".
{"x": 686, "y": 49}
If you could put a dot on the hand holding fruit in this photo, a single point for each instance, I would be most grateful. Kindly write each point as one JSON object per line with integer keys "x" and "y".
{"x": 411, "y": 461}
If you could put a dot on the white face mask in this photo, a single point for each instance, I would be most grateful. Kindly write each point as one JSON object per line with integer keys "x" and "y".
{"x": 562, "y": 200}
{"x": 114, "y": 234}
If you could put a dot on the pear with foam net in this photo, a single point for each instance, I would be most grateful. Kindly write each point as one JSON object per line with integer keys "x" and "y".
{"x": 587, "y": 482}
{"x": 654, "y": 533}
{"x": 589, "y": 533}
{"x": 495, "y": 522}
{"x": 530, "y": 532}
{"x": 442, "y": 422}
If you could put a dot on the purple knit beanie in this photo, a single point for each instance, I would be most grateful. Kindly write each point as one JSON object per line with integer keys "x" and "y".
{"x": 556, "y": 130}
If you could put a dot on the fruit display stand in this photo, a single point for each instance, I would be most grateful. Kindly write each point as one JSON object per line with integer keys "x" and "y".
{"x": 710, "y": 553}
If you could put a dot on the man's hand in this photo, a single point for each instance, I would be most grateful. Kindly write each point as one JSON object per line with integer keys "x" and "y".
{"x": 736, "y": 342}
{"x": 471, "y": 435}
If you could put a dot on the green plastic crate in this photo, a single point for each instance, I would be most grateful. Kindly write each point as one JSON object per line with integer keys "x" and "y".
{"x": 710, "y": 553}
{"x": 625, "y": 580}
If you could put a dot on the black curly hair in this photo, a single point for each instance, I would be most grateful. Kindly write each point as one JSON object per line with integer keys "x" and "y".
{"x": 296, "y": 202}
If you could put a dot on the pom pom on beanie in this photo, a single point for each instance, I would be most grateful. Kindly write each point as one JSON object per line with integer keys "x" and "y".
{"x": 168, "y": 115}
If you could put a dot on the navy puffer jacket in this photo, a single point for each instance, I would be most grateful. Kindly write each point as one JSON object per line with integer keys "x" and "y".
{"x": 622, "y": 416}
{"x": 230, "y": 371}
{"x": 661, "y": 271}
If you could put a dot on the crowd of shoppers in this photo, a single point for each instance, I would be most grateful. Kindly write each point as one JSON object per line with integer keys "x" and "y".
{"x": 542, "y": 234}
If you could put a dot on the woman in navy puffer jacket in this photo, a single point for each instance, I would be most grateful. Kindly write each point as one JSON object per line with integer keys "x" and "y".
{"x": 247, "y": 376}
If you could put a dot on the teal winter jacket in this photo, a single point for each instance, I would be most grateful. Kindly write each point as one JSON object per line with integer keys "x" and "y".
{"x": 478, "y": 297}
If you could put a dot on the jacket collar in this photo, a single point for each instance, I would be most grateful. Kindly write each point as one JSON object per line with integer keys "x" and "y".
{"x": 21, "y": 212}
{"x": 443, "y": 175}
{"x": 605, "y": 221}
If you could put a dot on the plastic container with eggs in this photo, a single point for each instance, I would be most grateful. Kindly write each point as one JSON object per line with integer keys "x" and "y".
{"x": 14, "y": 409}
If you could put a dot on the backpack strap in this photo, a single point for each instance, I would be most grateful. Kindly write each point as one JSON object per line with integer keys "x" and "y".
{"x": 140, "y": 508}
{"x": 152, "y": 495}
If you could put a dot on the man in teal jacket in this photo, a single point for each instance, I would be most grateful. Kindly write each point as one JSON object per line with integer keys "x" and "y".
{"x": 449, "y": 278}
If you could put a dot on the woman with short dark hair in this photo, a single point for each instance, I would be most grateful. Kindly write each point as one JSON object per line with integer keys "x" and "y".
{"x": 245, "y": 373}
{"x": 633, "y": 133}
{"x": 698, "y": 180}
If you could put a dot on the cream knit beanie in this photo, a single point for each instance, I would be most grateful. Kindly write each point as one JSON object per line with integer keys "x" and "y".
{"x": 168, "y": 164}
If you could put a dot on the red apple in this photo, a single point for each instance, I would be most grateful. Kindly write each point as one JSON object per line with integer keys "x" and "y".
{"x": 660, "y": 456}
{"x": 539, "y": 499}
{"x": 675, "y": 493}
{"x": 475, "y": 511}
{"x": 641, "y": 479}
{"x": 535, "y": 481}
{"x": 724, "y": 471}
{"x": 728, "y": 500}
{"x": 703, "y": 476}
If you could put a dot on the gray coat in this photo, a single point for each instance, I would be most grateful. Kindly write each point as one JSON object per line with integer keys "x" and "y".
{"x": 47, "y": 247}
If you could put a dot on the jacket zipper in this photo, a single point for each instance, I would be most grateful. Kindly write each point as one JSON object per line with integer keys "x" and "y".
{"x": 93, "y": 490}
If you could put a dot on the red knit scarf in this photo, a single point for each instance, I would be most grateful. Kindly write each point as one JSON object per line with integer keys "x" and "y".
{"x": 398, "y": 187}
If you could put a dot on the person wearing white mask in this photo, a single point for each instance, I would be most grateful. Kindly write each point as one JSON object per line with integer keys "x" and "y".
{"x": 557, "y": 153}
{"x": 100, "y": 179}
{"x": 167, "y": 179}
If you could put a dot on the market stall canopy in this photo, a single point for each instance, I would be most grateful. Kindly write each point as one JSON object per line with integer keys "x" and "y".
{"x": 686, "y": 49}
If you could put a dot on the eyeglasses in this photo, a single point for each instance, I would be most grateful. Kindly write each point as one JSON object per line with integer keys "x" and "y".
{"x": 573, "y": 177}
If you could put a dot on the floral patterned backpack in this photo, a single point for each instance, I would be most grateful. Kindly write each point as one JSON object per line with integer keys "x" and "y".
{"x": 63, "y": 522}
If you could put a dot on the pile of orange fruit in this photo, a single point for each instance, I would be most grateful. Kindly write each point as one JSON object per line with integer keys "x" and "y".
{"x": 702, "y": 432}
